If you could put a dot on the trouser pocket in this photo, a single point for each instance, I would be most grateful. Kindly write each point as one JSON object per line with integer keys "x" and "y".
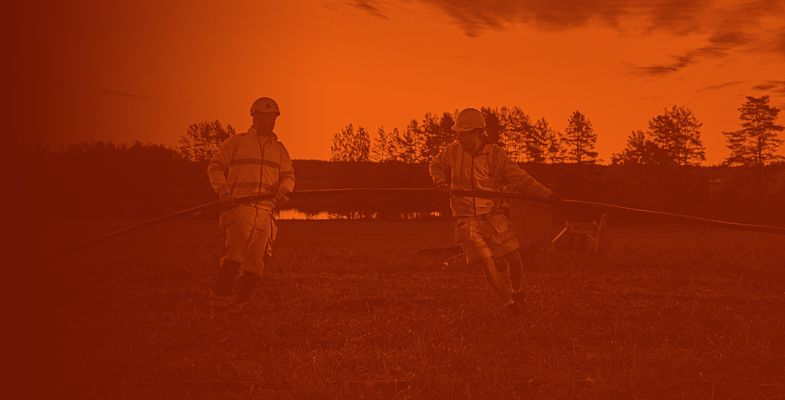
{"x": 499, "y": 222}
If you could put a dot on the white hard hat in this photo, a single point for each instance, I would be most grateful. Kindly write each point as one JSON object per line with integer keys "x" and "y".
{"x": 468, "y": 119}
{"x": 265, "y": 104}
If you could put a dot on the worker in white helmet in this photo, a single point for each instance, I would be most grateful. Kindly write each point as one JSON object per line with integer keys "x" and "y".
{"x": 250, "y": 163}
{"x": 482, "y": 229}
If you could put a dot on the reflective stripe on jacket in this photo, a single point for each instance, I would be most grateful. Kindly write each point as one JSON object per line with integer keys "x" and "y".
{"x": 248, "y": 164}
{"x": 490, "y": 169}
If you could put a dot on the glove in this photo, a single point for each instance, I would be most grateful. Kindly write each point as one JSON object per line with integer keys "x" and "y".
{"x": 444, "y": 189}
{"x": 555, "y": 199}
{"x": 282, "y": 197}
{"x": 227, "y": 201}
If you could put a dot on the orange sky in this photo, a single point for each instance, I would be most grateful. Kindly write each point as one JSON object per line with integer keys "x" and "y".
{"x": 124, "y": 71}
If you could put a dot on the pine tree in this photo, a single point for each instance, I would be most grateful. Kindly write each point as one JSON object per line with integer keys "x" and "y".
{"x": 640, "y": 150}
{"x": 756, "y": 143}
{"x": 579, "y": 139}
{"x": 537, "y": 141}
{"x": 445, "y": 126}
{"x": 202, "y": 139}
{"x": 516, "y": 126}
{"x": 393, "y": 146}
{"x": 409, "y": 147}
{"x": 677, "y": 133}
{"x": 493, "y": 125}
{"x": 554, "y": 152}
{"x": 433, "y": 138}
{"x": 340, "y": 149}
{"x": 361, "y": 145}
{"x": 348, "y": 145}
{"x": 380, "y": 146}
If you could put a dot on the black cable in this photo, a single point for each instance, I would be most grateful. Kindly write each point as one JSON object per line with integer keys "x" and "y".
{"x": 432, "y": 191}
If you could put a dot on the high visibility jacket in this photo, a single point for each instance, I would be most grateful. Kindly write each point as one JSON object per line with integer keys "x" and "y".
{"x": 248, "y": 164}
{"x": 490, "y": 169}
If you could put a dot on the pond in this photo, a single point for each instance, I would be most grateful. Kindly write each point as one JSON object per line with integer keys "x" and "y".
{"x": 296, "y": 214}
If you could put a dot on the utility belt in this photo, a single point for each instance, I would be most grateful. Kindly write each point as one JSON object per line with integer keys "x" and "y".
{"x": 259, "y": 205}
{"x": 268, "y": 204}
{"x": 504, "y": 210}
{"x": 498, "y": 218}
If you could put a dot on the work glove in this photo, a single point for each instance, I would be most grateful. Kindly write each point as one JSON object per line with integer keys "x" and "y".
{"x": 444, "y": 189}
{"x": 282, "y": 197}
{"x": 227, "y": 201}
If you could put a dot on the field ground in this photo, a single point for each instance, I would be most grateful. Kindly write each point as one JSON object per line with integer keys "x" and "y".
{"x": 349, "y": 310}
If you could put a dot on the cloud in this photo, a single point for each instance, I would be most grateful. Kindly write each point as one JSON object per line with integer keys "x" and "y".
{"x": 721, "y": 86}
{"x": 730, "y": 25}
{"x": 369, "y": 6}
{"x": 777, "y": 87}
{"x": 666, "y": 69}
{"x": 375, "y": 8}
{"x": 720, "y": 45}
{"x": 475, "y": 17}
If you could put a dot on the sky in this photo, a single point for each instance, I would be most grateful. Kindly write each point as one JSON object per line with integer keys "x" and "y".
{"x": 124, "y": 71}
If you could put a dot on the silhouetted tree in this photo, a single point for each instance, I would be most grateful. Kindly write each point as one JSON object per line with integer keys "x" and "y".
{"x": 393, "y": 145}
{"x": 362, "y": 145}
{"x": 756, "y": 143}
{"x": 556, "y": 152}
{"x": 202, "y": 139}
{"x": 493, "y": 126}
{"x": 437, "y": 132}
{"x": 534, "y": 140}
{"x": 409, "y": 148}
{"x": 340, "y": 146}
{"x": 445, "y": 125}
{"x": 677, "y": 133}
{"x": 579, "y": 139}
{"x": 380, "y": 147}
{"x": 349, "y": 145}
{"x": 429, "y": 129}
{"x": 639, "y": 151}
{"x": 516, "y": 126}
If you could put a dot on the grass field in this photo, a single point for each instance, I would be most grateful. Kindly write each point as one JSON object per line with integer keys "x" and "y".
{"x": 349, "y": 310}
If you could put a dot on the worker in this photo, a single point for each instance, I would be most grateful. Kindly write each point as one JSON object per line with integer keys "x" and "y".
{"x": 482, "y": 229}
{"x": 250, "y": 163}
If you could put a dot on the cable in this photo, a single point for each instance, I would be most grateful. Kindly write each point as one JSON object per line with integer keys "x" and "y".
{"x": 430, "y": 191}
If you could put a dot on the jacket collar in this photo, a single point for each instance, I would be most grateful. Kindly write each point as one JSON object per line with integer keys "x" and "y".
{"x": 485, "y": 148}
{"x": 252, "y": 131}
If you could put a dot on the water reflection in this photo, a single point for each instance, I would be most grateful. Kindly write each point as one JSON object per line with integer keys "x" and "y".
{"x": 295, "y": 214}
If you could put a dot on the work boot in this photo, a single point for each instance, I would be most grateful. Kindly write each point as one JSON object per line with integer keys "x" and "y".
{"x": 219, "y": 307}
{"x": 517, "y": 297}
{"x": 245, "y": 288}
{"x": 221, "y": 294}
{"x": 227, "y": 275}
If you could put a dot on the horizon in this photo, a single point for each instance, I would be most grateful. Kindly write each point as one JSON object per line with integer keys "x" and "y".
{"x": 126, "y": 72}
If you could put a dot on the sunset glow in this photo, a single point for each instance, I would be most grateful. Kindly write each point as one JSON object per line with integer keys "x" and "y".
{"x": 128, "y": 71}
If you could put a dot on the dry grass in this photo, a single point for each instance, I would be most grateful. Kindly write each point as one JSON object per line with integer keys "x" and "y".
{"x": 349, "y": 310}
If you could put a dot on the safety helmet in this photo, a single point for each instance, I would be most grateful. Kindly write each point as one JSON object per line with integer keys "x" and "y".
{"x": 468, "y": 119}
{"x": 265, "y": 104}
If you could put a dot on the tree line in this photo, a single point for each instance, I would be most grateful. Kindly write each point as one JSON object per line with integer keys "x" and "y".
{"x": 672, "y": 138}
{"x": 524, "y": 138}
{"x": 148, "y": 179}
{"x": 99, "y": 180}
